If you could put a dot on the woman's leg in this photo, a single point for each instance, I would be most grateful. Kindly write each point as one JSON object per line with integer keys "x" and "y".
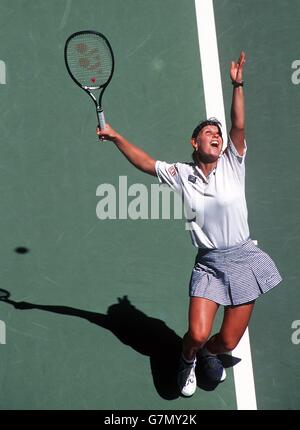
{"x": 235, "y": 322}
{"x": 201, "y": 316}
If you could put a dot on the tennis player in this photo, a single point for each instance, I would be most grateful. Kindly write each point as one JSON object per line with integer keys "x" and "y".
{"x": 229, "y": 270}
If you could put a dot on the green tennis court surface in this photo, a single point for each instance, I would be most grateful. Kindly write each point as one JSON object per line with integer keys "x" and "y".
{"x": 105, "y": 301}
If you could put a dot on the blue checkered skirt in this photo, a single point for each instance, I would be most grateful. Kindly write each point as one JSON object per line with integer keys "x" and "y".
{"x": 234, "y": 275}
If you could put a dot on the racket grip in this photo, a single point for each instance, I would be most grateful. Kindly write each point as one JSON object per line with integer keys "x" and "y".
{"x": 101, "y": 118}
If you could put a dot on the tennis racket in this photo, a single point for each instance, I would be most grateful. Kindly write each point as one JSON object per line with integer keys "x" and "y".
{"x": 89, "y": 60}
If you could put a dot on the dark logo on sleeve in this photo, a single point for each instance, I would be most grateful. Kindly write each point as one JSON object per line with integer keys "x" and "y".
{"x": 192, "y": 179}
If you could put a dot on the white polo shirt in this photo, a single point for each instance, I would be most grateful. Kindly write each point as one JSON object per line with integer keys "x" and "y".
{"x": 215, "y": 206}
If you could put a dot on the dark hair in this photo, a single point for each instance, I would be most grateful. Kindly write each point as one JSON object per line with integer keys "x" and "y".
{"x": 209, "y": 121}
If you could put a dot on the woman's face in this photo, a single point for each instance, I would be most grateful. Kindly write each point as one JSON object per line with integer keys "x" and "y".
{"x": 208, "y": 144}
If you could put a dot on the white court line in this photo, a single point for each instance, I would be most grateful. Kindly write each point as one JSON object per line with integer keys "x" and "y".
{"x": 214, "y": 104}
{"x": 2, "y": 333}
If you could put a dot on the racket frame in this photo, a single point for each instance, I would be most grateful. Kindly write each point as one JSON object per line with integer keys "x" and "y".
{"x": 88, "y": 89}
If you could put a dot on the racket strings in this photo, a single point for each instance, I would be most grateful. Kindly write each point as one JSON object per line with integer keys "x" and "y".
{"x": 90, "y": 60}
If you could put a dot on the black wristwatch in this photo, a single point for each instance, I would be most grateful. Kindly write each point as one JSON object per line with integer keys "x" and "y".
{"x": 237, "y": 84}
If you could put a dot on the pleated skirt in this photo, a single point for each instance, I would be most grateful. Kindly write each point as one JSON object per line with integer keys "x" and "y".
{"x": 233, "y": 276}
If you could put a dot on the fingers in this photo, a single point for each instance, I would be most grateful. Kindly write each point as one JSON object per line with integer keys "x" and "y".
{"x": 100, "y": 130}
{"x": 240, "y": 62}
{"x": 242, "y": 59}
{"x": 105, "y": 133}
{"x": 236, "y": 68}
{"x": 100, "y": 134}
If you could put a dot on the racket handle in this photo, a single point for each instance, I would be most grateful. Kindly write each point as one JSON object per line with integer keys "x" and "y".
{"x": 101, "y": 118}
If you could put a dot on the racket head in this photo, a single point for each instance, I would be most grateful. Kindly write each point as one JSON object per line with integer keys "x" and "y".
{"x": 89, "y": 59}
{"x": 4, "y": 294}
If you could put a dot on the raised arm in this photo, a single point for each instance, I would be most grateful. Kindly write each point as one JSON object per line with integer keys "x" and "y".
{"x": 140, "y": 159}
{"x": 237, "y": 132}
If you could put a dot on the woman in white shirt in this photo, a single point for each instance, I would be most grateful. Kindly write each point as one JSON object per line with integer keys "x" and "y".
{"x": 229, "y": 269}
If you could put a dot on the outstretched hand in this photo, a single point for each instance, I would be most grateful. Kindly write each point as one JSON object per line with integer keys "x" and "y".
{"x": 236, "y": 68}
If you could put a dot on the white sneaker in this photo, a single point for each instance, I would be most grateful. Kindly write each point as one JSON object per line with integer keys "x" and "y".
{"x": 187, "y": 381}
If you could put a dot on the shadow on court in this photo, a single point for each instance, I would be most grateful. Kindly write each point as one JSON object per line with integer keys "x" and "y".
{"x": 146, "y": 335}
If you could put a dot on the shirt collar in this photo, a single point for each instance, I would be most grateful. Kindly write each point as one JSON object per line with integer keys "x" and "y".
{"x": 205, "y": 178}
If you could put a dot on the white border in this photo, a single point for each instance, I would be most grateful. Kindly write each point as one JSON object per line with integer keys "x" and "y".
{"x": 2, "y": 333}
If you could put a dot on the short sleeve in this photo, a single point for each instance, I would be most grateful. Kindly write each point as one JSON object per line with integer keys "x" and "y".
{"x": 236, "y": 161}
{"x": 233, "y": 153}
{"x": 168, "y": 174}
